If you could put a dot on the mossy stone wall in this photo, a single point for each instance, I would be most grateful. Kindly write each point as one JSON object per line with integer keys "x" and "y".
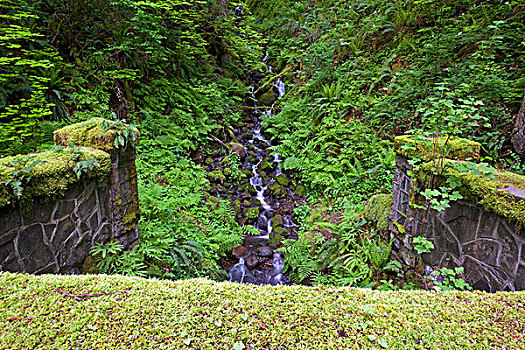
{"x": 62, "y": 213}
{"x": 483, "y": 232}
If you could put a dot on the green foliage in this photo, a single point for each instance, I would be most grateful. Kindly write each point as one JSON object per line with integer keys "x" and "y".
{"x": 450, "y": 279}
{"x": 353, "y": 256}
{"x": 422, "y": 245}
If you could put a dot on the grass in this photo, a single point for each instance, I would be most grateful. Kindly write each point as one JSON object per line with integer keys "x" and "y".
{"x": 115, "y": 312}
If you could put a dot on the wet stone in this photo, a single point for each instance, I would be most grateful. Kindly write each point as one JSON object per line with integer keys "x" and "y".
{"x": 264, "y": 251}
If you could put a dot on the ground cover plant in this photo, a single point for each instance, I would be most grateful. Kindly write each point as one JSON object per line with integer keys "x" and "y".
{"x": 108, "y": 312}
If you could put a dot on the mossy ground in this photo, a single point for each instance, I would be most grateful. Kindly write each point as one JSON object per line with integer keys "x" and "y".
{"x": 42, "y": 312}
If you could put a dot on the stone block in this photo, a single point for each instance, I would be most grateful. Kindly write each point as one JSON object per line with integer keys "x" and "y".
{"x": 33, "y": 252}
{"x": 64, "y": 207}
{"x": 485, "y": 250}
{"x": 519, "y": 281}
{"x": 488, "y": 225}
{"x": 9, "y": 219}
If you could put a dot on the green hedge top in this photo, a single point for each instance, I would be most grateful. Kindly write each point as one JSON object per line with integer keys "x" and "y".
{"x": 428, "y": 148}
{"x": 48, "y": 173}
{"x": 496, "y": 190}
{"x": 98, "y": 133}
{"x": 113, "y": 312}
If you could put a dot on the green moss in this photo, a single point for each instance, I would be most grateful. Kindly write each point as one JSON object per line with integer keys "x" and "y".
{"x": 112, "y": 312}
{"x": 429, "y": 148}
{"x": 93, "y": 133}
{"x": 378, "y": 209}
{"x": 485, "y": 187}
{"x": 267, "y": 99}
{"x": 252, "y": 213}
{"x": 52, "y": 175}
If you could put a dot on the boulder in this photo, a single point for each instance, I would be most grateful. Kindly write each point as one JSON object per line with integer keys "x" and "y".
{"x": 282, "y": 179}
{"x": 239, "y": 251}
{"x": 264, "y": 251}
{"x": 238, "y": 149}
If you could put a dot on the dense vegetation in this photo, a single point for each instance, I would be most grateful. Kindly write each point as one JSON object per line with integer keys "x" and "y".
{"x": 358, "y": 73}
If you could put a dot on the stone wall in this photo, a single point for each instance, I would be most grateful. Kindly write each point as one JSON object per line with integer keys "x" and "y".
{"x": 54, "y": 233}
{"x": 489, "y": 247}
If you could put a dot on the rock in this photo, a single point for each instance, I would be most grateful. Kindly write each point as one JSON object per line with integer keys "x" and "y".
{"x": 265, "y": 164}
{"x": 252, "y": 261}
{"x": 267, "y": 99}
{"x": 246, "y": 136}
{"x": 300, "y": 190}
{"x": 252, "y": 158}
{"x": 264, "y": 251}
{"x": 239, "y": 251}
{"x": 237, "y": 207}
{"x": 277, "y": 220}
{"x": 282, "y": 179}
{"x": 276, "y": 236}
{"x": 216, "y": 176}
{"x": 251, "y": 214}
{"x": 238, "y": 149}
{"x": 246, "y": 203}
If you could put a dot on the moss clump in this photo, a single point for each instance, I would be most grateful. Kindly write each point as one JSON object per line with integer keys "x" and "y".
{"x": 53, "y": 172}
{"x": 378, "y": 209}
{"x": 97, "y": 133}
{"x": 252, "y": 213}
{"x": 105, "y": 312}
{"x": 485, "y": 186}
{"x": 267, "y": 99}
{"x": 428, "y": 148}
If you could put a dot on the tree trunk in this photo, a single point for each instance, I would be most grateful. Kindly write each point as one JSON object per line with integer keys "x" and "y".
{"x": 518, "y": 137}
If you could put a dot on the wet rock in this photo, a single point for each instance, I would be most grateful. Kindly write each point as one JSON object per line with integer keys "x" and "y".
{"x": 252, "y": 261}
{"x": 246, "y": 136}
{"x": 238, "y": 149}
{"x": 264, "y": 251}
{"x": 277, "y": 220}
{"x": 240, "y": 251}
{"x": 282, "y": 179}
{"x": 267, "y": 99}
{"x": 251, "y": 215}
{"x": 265, "y": 165}
{"x": 276, "y": 236}
{"x": 252, "y": 158}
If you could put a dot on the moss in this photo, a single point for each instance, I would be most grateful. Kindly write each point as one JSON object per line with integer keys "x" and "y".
{"x": 93, "y": 133}
{"x": 378, "y": 209}
{"x": 267, "y": 99}
{"x": 485, "y": 187}
{"x": 252, "y": 213}
{"x": 52, "y": 175}
{"x": 429, "y": 148}
{"x": 113, "y": 312}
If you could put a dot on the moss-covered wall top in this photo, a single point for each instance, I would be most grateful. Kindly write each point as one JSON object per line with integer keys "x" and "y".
{"x": 498, "y": 191}
{"x": 426, "y": 148}
{"x": 98, "y": 133}
{"x": 48, "y": 173}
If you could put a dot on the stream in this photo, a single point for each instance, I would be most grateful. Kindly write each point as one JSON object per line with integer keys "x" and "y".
{"x": 258, "y": 261}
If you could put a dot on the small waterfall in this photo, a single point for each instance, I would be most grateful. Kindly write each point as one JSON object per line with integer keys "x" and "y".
{"x": 278, "y": 266}
{"x": 238, "y": 271}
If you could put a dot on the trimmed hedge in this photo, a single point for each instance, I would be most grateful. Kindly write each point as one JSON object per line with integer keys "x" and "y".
{"x": 115, "y": 312}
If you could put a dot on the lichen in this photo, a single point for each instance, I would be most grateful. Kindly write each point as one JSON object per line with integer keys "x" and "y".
{"x": 377, "y": 208}
{"x": 96, "y": 132}
{"x": 427, "y": 148}
{"x": 52, "y": 174}
{"x": 485, "y": 187}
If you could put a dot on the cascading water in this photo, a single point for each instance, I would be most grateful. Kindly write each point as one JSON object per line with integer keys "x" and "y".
{"x": 258, "y": 246}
